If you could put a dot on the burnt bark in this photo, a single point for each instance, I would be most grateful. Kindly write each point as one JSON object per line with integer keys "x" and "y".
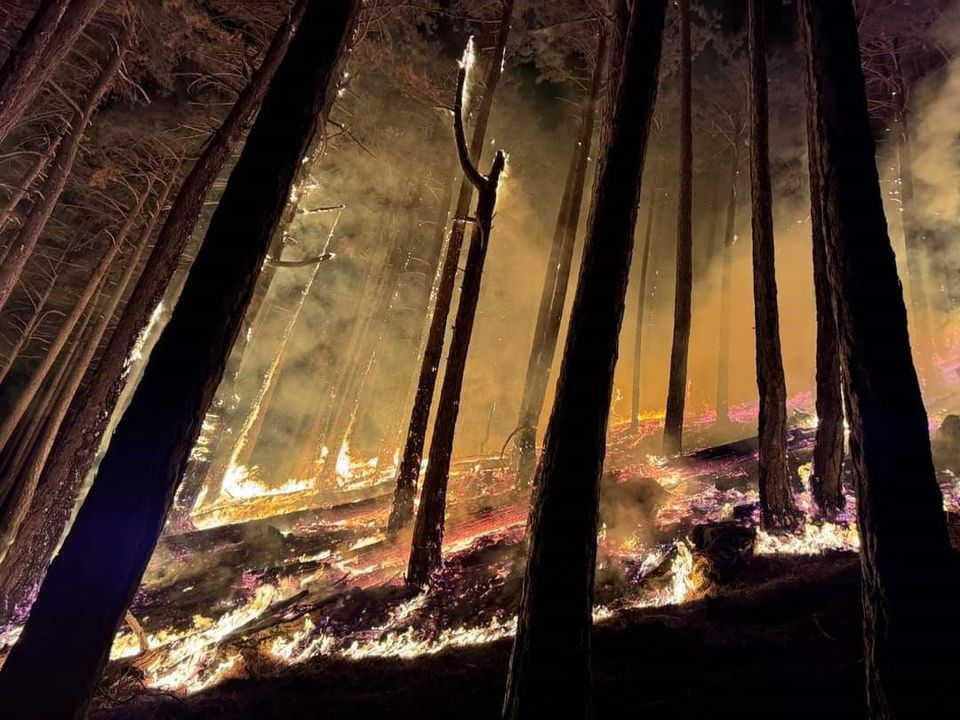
{"x": 776, "y": 502}
{"x": 425, "y": 551}
{"x": 78, "y": 441}
{"x": 550, "y": 665}
{"x": 641, "y": 313}
{"x": 56, "y": 180}
{"x": 409, "y": 471}
{"x": 726, "y": 272}
{"x": 683, "y": 301}
{"x": 93, "y": 578}
{"x": 556, "y": 282}
{"x": 909, "y": 572}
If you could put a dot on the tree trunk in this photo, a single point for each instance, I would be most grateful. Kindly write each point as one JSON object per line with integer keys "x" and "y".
{"x": 909, "y": 571}
{"x": 39, "y": 168}
{"x": 553, "y": 300}
{"x": 78, "y": 442}
{"x": 776, "y": 502}
{"x": 19, "y": 407}
{"x": 726, "y": 272}
{"x": 49, "y": 194}
{"x": 425, "y": 552}
{"x": 93, "y": 578}
{"x": 550, "y": 666}
{"x": 641, "y": 312}
{"x": 677, "y": 388}
{"x": 402, "y": 509}
{"x": 826, "y": 480}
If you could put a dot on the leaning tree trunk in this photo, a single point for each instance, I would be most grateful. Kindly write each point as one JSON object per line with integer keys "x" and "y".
{"x": 402, "y": 510}
{"x": 550, "y": 665}
{"x": 909, "y": 572}
{"x": 641, "y": 313}
{"x": 425, "y": 552}
{"x": 26, "y": 241}
{"x": 776, "y": 503}
{"x": 93, "y": 578}
{"x": 38, "y": 169}
{"x": 726, "y": 273}
{"x": 552, "y": 301}
{"x": 677, "y": 387}
{"x": 826, "y": 479}
{"x": 79, "y": 439}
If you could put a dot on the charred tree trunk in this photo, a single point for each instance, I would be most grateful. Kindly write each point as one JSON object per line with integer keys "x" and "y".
{"x": 77, "y": 444}
{"x": 425, "y": 552}
{"x": 726, "y": 272}
{"x": 550, "y": 666}
{"x": 106, "y": 551}
{"x": 641, "y": 312}
{"x": 909, "y": 573}
{"x": 547, "y": 333}
{"x": 677, "y": 388}
{"x": 776, "y": 502}
{"x": 25, "y": 242}
{"x": 402, "y": 509}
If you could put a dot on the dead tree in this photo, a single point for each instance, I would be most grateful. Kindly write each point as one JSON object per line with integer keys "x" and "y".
{"x": 550, "y": 667}
{"x": 556, "y": 281}
{"x": 425, "y": 552}
{"x": 726, "y": 272}
{"x": 776, "y": 502}
{"x": 677, "y": 386}
{"x": 104, "y": 555}
{"x": 909, "y": 572}
{"x": 78, "y": 441}
{"x": 641, "y": 312}
{"x": 409, "y": 471}
{"x": 56, "y": 180}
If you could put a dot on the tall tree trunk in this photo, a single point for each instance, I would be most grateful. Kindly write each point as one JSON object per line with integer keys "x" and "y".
{"x": 641, "y": 313}
{"x": 26, "y": 241}
{"x": 550, "y": 665}
{"x": 553, "y": 300}
{"x": 39, "y": 167}
{"x": 726, "y": 273}
{"x": 406, "y": 488}
{"x": 19, "y": 407}
{"x": 24, "y": 60}
{"x": 425, "y": 552}
{"x": 78, "y": 442}
{"x": 677, "y": 388}
{"x": 909, "y": 573}
{"x": 106, "y": 551}
{"x": 776, "y": 502}
{"x": 826, "y": 480}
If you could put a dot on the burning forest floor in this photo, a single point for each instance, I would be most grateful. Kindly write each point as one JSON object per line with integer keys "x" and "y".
{"x": 297, "y": 603}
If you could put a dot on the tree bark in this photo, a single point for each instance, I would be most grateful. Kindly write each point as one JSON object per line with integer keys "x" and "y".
{"x": 78, "y": 442}
{"x": 93, "y": 578}
{"x": 425, "y": 552}
{"x": 406, "y": 488}
{"x": 909, "y": 572}
{"x": 677, "y": 387}
{"x": 556, "y": 283}
{"x": 550, "y": 666}
{"x": 26, "y": 241}
{"x": 641, "y": 312}
{"x": 776, "y": 502}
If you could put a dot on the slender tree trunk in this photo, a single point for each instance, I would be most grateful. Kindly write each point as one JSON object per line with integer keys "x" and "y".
{"x": 641, "y": 313}
{"x": 26, "y": 241}
{"x": 16, "y": 412}
{"x": 776, "y": 503}
{"x": 78, "y": 442}
{"x": 402, "y": 509}
{"x": 39, "y": 168}
{"x": 909, "y": 572}
{"x": 826, "y": 480}
{"x": 726, "y": 273}
{"x": 103, "y": 557}
{"x": 550, "y": 666}
{"x": 677, "y": 389}
{"x": 425, "y": 552}
{"x": 547, "y": 333}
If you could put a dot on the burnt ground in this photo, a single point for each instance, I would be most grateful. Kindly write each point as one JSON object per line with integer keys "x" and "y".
{"x": 781, "y": 641}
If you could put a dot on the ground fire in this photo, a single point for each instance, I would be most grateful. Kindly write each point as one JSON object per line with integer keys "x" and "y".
{"x": 479, "y": 358}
